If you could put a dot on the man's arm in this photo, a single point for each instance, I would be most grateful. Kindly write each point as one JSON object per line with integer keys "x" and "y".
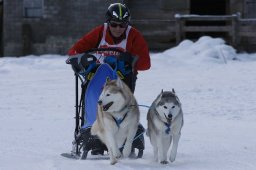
{"x": 139, "y": 48}
{"x": 88, "y": 41}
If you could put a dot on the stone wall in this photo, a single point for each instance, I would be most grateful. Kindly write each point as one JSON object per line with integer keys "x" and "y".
{"x": 12, "y": 28}
{"x": 62, "y": 24}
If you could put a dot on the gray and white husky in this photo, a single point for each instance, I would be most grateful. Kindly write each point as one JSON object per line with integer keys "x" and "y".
{"x": 117, "y": 118}
{"x": 165, "y": 120}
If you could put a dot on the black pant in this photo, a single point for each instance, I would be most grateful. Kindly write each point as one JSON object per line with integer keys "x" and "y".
{"x": 130, "y": 80}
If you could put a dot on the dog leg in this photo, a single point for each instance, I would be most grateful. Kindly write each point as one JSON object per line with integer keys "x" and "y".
{"x": 128, "y": 144}
{"x": 165, "y": 147}
{"x": 162, "y": 157}
{"x": 113, "y": 159}
{"x": 173, "y": 154}
{"x": 114, "y": 152}
{"x": 155, "y": 153}
{"x": 105, "y": 139}
{"x": 153, "y": 141}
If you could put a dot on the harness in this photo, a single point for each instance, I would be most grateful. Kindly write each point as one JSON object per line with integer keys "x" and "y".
{"x": 168, "y": 128}
{"x": 119, "y": 121}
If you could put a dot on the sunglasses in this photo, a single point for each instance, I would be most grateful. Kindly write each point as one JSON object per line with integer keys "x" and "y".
{"x": 121, "y": 25}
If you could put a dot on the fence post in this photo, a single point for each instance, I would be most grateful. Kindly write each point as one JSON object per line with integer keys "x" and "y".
{"x": 238, "y": 26}
{"x": 178, "y": 28}
{"x": 234, "y": 31}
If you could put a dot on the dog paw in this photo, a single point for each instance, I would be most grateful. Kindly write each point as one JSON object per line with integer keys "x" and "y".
{"x": 132, "y": 155}
{"x": 126, "y": 152}
{"x": 117, "y": 154}
{"x": 172, "y": 158}
{"x": 164, "y": 162}
{"x": 113, "y": 162}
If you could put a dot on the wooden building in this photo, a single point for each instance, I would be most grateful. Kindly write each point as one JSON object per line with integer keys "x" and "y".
{"x": 52, "y": 26}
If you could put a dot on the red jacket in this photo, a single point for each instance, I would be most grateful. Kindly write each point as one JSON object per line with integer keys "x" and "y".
{"x": 136, "y": 45}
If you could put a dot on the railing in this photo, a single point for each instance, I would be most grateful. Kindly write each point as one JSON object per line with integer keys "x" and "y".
{"x": 230, "y": 26}
{"x": 234, "y": 26}
{"x": 247, "y": 28}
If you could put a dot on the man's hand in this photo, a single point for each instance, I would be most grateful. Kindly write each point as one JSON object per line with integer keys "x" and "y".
{"x": 126, "y": 57}
{"x": 80, "y": 62}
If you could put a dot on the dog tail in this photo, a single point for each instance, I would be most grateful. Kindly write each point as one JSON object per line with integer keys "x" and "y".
{"x": 94, "y": 128}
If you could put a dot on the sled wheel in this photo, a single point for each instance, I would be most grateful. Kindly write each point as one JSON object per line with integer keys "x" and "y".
{"x": 140, "y": 153}
{"x": 84, "y": 155}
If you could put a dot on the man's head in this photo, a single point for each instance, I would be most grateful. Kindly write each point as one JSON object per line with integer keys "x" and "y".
{"x": 118, "y": 17}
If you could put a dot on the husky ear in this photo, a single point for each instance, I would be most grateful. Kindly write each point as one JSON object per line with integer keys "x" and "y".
{"x": 173, "y": 90}
{"x": 161, "y": 93}
{"x": 107, "y": 81}
{"x": 119, "y": 82}
{"x": 158, "y": 98}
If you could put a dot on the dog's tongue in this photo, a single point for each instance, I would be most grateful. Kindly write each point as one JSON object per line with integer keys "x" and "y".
{"x": 107, "y": 106}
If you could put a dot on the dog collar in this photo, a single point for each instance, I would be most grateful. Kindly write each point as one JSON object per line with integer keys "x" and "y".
{"x": 125, "y": 107}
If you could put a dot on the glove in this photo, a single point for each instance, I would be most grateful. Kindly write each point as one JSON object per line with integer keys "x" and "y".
{"x": 126, "y": 57}
{"x": 81, "y": 62}
{"x": 73, "y": 61}
{"x": 86, "y": 60}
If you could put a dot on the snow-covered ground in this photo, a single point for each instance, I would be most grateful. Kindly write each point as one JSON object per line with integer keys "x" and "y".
{"x": 215, "y": 85}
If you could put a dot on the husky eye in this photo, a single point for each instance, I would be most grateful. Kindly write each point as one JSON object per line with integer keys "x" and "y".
{"x": 165, "y": 107}
{"x": 108, "y": 94}
{"x": 173, "y": 107}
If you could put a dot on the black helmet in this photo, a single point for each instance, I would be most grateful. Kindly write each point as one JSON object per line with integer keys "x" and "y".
{"x": 118, "y": 12}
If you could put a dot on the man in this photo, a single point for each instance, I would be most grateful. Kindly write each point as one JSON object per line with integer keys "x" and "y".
{"x": 117, "y": 32}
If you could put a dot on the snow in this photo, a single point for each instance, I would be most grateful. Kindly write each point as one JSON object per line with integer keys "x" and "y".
{"x": 216, "y": 86}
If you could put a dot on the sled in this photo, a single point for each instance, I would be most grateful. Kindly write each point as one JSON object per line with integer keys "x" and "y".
{"x": 91, "y": 77}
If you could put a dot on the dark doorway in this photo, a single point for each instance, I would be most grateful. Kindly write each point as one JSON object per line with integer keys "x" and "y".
{"x": 210, "y": 7}
{"x": 1, "y": 27}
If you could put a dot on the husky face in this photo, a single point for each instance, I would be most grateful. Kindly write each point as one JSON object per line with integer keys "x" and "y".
{"x": 112, "y": 98}
{"x": 168, "y": 106}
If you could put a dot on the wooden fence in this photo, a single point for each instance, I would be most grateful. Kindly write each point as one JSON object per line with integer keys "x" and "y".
{"x": 234, "y": 26}
{"x": 162, "y": 33}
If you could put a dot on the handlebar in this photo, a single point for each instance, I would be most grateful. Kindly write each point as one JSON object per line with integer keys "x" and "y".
{"x": 81, "y": 61}
{"x": 104, "y": 49}
{"x": 79, "y": 56}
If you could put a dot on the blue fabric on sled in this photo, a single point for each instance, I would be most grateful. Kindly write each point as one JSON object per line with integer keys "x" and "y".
{"x": 93, "y": 92}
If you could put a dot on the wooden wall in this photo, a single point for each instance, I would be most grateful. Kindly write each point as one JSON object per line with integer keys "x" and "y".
{"x": 64, "y": 22}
